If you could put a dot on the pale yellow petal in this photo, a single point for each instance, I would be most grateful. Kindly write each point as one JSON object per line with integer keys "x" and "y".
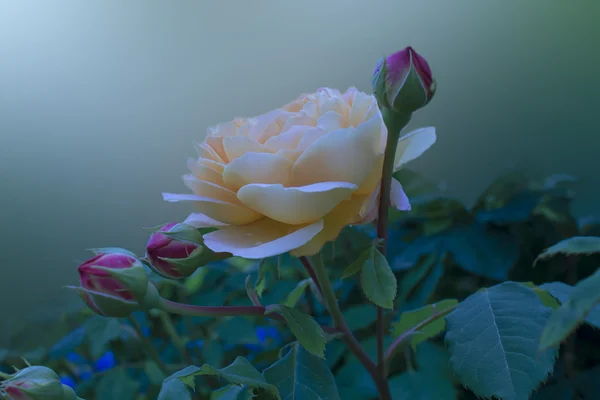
{"x": 217, "y": 209}
{"x": 204, "y": 173}
{"x": 257, "y": 168}
{"x": 413, "y": 144}
{"x": 331, "y": 121}
{"x": 205, "y": 151}
{"x": 261, "y": 239}
{"x": 399, "y": 199}
{"x": 198, "y": 220}
{"x": 295, "y": 205}
{"x": 216, "y": 142}
{"x": 237, "y": 146}
{"x": 286, "y": 140}
{"x": 214, "y": 165}
{"x": 208, "y": 189}
{"x": 346, "y": 155}
{"x": 344, "y": 214}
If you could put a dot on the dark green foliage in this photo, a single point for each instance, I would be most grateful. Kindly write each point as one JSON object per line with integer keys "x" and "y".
{"x": 481, "y": 255}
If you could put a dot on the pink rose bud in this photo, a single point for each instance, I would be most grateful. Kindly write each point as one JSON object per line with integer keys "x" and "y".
{"x": 403, "y": 81}
{"x": 114, "y": 283}
{"x": 33, "y": 383}
{"x": 174, "y": 255}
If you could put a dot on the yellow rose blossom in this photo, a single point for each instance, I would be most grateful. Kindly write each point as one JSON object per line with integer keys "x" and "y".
{"x": 291, "y": 179}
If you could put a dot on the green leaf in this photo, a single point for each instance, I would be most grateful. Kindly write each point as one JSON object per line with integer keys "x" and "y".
{"x": 414, "y": 276}
{"x": 240, "y": 372}
{"x": 417, "y": 321}
{"x": 154, "y": 373}
{"x": 584, "y": 297}
{"x": 233, "y": 392}
{"x": 577, "y": 245}
{"x": 300, "y": 375}
{"x": 117, "y": 384}
{"x": 561, "y": 292}
{"x": 476, "y": 247}
{"x": 100, "y": 331}
{"x": 297, "y": 293}
{"x": 491, "y": 337}
{"x": 545, "y": 297}
{"x": 261, "y": 281}
{"x": 377, "y": 280}
{"x": 360, "y": 317}
{"x": 237, "y": 330}
{"x": 174, "y": 389}
{"x": 304, "y": 327}
{"x": 422, "y": 385}
{"x": 357, "y": 265}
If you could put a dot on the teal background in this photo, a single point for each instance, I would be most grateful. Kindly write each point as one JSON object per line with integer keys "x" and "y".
{"x": 100, "y": 102}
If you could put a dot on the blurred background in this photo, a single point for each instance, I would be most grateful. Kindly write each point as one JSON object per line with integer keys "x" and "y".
{"x": 100, "y": 103}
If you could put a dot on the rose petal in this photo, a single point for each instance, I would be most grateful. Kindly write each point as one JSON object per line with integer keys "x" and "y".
{"x": 205, "y": 151}
{"x": 346, "y": 155}
{"x": 217, "y": 145}
{"x": 344, "y": 214}
{"x": 286, "y": 140}
{"x": 208, "y": 189}
{"x": 257, "y": 168}
{"x": 198, "y": 220}
{"x": 412, "y": 145}
{"x": 295, "y": 205}
{"x": 237, "y": 146}
{"x": 331, "y": 121}
{"x": 398, "y": 198}
{"x": 217, "y": 209}
{"x": 361, "y": 104}
{"x": 204, "y": 173}
{"x": 260, "y": 239}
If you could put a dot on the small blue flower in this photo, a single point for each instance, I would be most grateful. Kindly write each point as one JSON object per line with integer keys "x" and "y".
{"x": 146, "y": 331}
{"x": 107, "y": 361}
{"x": 193, "y": 344}
{"x": 67, "y": 380}
{"x": 75, "y": 358}
{"x": 264, "y": 333}
{"x": 85, "y": 375}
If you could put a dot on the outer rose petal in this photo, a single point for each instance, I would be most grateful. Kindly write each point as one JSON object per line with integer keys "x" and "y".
{"x": 261, "y": 239}
{"x": 257, "y": 168}
{"x": 345, "y": 155}
{"x": 413, "y": 144}
{"x": 217, "y": 209}
{"x": 198, "y": 220}
{"x": 207, "y": 189}
{"x": 295, "y": 205}
{"x": 345, "y": 214}
{"x": 237, "y": 146}
{"x": 398, "y": 198}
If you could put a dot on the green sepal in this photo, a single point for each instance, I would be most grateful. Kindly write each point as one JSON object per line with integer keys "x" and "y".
{"x": 187, "y": 233}
{"x": 134, "y": 278}
{"x": 409, "y": 94}
{"x": 107, "y": 305}
{"x": 200, "y": 257}
{"x": 112, "y": 250}
{"x": 379, "y": 85}
{"x": 45, "y": 383}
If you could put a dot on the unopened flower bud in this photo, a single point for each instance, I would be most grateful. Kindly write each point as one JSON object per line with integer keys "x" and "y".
{"x": 115, "y": 284}
{"x": 33, "y": 383}
{"x": 403, "y": 81}
{"x": 178, "y": 258}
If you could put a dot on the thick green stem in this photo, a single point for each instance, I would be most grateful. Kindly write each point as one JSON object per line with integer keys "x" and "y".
{"x": 336, "y": 314}
{"x": 204, "y": 311}
{"x": 394, "y": 123}
{"x": 148, "y": 346}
